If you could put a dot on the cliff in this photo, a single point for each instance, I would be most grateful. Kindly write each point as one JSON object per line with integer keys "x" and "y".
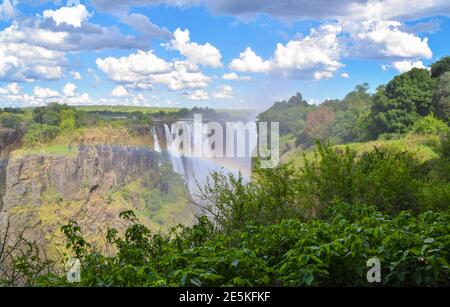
{"x": 90, "y": 184}
{"x": 9, "y": 140}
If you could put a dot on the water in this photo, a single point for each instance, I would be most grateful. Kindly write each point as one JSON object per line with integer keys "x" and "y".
{"x": 196, "y": 170}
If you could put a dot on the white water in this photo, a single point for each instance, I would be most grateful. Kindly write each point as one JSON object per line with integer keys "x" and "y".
{"x": 194, "y": 170}
{"x": 156, "y": 141}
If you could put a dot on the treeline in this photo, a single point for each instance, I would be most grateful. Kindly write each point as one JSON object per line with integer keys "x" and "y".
{"x": 416, "y": 100}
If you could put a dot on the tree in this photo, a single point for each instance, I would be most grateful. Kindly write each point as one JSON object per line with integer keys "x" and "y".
{"x": 402, "y": 101}
{"x": 440, "y": 67}
{"x": 319, "y": 122}
{"x": 8, "y": 120}
{"x": 68, "y": 119}
{"x": 441, "y": 98}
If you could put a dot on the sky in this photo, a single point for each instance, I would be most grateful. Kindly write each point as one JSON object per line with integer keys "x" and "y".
{"x": 210, "y": 53}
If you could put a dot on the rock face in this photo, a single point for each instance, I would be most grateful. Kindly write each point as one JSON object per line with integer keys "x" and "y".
{"x": 43, "y": 191}
{"x": 9, "y": 139}
{"x": 93, "y": 169}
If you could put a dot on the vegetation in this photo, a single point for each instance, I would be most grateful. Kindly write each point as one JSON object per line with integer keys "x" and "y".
{"x": 377, "y": 184}
{"x": 315, "y": 225}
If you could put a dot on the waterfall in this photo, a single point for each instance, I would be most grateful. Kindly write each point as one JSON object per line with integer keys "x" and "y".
{"x": 196, "y": 170}
{"x": 175, "y": 158}
{"x": 156, "y": 141}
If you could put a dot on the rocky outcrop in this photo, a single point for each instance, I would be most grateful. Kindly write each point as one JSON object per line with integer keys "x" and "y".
{"x": 45, "y": 190}
{"x": 9, "y": 139}
{"x": 93, "y": 169}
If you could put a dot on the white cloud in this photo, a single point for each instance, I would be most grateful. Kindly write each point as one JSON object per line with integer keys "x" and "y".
{"x": 345, "y": 75}
{"x": 249, "y": 61}
{"x": 317, "y": 54}
{"x": 119, "y": 91}
{"x": 73, "y": 15}
{"x": 319, "y": 75}
{"x": 13, "y": 88}
{"x": 206, "y": 55}
{"x": 24, "y": 62}
{"x": 41, "y": 92}
{"x": 7, "y": 10}
{"x": 131, "y": 68}
{"x": 69, "y": 90}
{"x": 196, "y": 95}
{"x": 143, "y": 70}
{"x": 75, "y": 75}
{"x": 234, "y": 77}
{"x": 223, "y": 92}
{"x": 406, "y": 65}
{"x": 385, "y": 39}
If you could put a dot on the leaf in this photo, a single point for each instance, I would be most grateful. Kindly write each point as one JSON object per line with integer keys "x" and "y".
{"x": 235, "y": 262}
{"x": 428, "y": 241}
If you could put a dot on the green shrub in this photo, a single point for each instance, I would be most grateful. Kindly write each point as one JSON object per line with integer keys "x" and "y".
{"x": 40, "y": 134}
{"x": 430, "y": 125}
{"x": 9, "y": 120}
{"x": 413, "y": 251}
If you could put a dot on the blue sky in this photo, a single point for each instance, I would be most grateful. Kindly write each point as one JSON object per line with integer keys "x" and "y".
{"x": 221, "y": 53}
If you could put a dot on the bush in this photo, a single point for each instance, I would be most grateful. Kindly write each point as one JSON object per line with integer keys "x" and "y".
{"x": 385, "y": 178}
{"x": 413, "y": 251}
{"x": 40, "y": 134}
{"x": 9, "y": 120}
{"x": 430, "y": 125}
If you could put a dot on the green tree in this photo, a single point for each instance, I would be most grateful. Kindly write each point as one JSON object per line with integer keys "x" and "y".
{"x": 440, "y": 67}
{"x": 441, "y": 98}
{"x": 68, "y": 119}
{"x": 402, "y": 101}
{"x": 8, "y": 120}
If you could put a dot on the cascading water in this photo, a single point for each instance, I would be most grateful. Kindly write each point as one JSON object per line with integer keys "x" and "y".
{"x": 195, "y": 170}
{"x": 177, "y": 161}
{"x": 156, "y": 141}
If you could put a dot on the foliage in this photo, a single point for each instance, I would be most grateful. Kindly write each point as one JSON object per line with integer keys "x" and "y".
{"x": 290, "y": 114}
{"x": 9, "y": 120}
{"x": 68, "y": 119}
{"x": 319, "y": 123}
{"x": 40, "y": 134}
{"x": 440, "y": 67}
{"x": 430, "y": 125}
{"x": 413, "y": 251}
{"x": 399, "y": 104}
{"x": 441, "y": 98}
{"x": 50, "y": 114}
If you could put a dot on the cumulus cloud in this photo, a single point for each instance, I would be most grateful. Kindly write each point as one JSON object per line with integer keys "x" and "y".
{"x": 206, "y": 55}
{"x": 316, "y": 54}
{"x": 234, "y": 77}
{"x": 385, "y": 39}
{"x": 73, "y": 15}
{"x": 196, "y": 95}
{"x": 249, "y": 61}
{"x": 406, "y": 65}
{"x": 69, "y": 90}
{"x": 223, "y": 92}
{"x": 119, "y": 91}
{"x": 25, "y": 63}
{"x": 75, "y": 75}
{"x": 142, "y": 70}
{"x": 7, "y": 10}
{"x": 133, "y": 67}
{"x": 345, "y": 75}
{"x": 41, "y": 92}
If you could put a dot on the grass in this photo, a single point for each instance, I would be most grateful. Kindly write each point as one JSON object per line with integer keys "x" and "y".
{"x": 424, "y": 147}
